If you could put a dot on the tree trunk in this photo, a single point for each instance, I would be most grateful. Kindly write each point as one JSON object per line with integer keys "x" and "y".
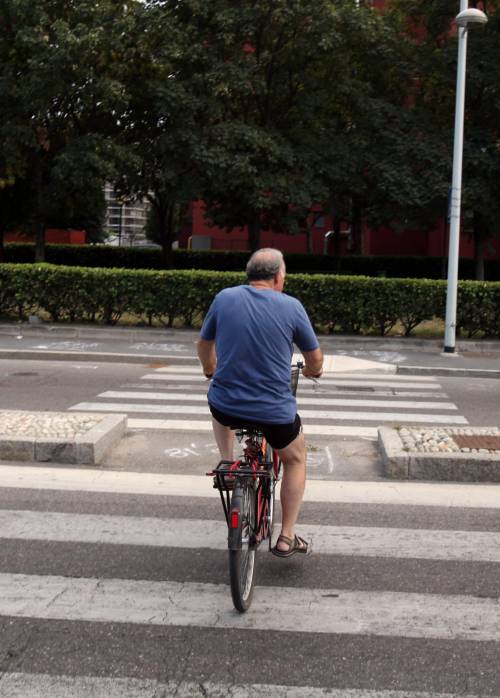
{"x": 40, "y": 242}
{"x": 166, "y": 245}
{"x": 479, "y": 239}
{"x": 356, "y": 228}
{"x": 336, "y": 238}
{"x": 39, "y": 222}
{"x": 2, "y": 247}
{"x": 309, "y": 236}
{"x": 254, "y": 233}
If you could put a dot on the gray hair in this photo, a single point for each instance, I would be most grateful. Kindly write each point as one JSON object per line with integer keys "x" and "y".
{"x": 264, "y": 264}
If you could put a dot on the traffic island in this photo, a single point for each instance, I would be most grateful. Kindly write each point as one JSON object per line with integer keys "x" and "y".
{"x": 461, "y": 454}
{"x": 59, "y": 437}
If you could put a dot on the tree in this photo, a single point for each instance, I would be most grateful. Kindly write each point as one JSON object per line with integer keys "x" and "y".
{"x": 436, "y": 46}
{"x": 262, "y": 77}
{"x": 162, "y": 126}
{"x": 61, "y": 99}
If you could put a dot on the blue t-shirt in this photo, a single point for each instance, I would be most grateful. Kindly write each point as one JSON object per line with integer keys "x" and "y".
{"x": 254, "y": 331}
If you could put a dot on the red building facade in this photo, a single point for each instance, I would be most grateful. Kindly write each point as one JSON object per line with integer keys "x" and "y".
{"x": 382, "y": 241}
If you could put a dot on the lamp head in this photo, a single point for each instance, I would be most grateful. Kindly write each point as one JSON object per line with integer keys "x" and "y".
{"x": 471, "y": 16}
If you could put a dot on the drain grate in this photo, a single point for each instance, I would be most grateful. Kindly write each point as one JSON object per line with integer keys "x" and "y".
{"x": 492, "y": 443}
{"x": 24, "y": 373}
{"x": 355, "y": 388}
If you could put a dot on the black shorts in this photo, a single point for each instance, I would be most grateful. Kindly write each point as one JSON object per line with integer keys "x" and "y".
{"x": 278, "y": 435}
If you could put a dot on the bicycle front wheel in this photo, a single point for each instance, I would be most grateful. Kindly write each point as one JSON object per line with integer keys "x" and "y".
{"x": 242, "y": 544}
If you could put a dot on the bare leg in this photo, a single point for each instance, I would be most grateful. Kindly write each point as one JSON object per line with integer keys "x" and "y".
{"x": 224, "y": 438}
{"x": 292, "y": 486}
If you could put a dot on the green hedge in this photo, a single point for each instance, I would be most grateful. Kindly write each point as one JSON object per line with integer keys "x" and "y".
{"x": 144, "y": 258}
{"x": 334, "y": 303}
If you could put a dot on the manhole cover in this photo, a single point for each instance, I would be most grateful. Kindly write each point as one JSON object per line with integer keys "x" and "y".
{"x": 24, "y": 373}
{"x": 492, "y": 443}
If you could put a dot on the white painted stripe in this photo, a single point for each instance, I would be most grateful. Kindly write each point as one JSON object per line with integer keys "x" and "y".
{"x": 193, "y": 425}
{"x": 202, "y": 410}
{"x": 189, "y": 533}
{"x": 381, "y": 378}
{"x": 368, "y": 381}
{"x": 177, "y": 376}
{"x": 199, "y": 425}
{"x": 17, "y": 685}
{"x": 194, "y": 390}
{"x": 180, "y": 368}
{"x": 389, "y": 614}
{"x": 341, "y": 491}
{"x": 183, "y": 397}
{"x": 371, "y": 393}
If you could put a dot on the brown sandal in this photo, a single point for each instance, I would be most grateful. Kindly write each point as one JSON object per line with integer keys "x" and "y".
{"x": 295, "y": 545}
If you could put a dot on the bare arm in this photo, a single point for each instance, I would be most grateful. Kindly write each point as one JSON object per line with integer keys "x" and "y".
{"x": 314, "y": 363}
{"x": 207, "y": 356}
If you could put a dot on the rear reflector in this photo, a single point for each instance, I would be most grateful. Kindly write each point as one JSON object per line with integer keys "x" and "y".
{"x": 235, "y": 518}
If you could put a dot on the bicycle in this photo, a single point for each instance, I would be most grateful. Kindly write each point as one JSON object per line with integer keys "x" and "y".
{"x": 247, "y": 489}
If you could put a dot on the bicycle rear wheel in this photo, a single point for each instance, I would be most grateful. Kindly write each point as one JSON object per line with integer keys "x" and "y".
{"x": 242, "y": 543}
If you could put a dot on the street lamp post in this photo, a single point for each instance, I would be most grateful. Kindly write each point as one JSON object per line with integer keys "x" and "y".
{"x": 463, "y": 19}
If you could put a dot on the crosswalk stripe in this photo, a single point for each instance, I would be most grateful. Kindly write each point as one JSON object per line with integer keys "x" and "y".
{"x": 350, "y": 391}
{"x": 305, "y": 414}
{"x": 190, "y": 533}
{"x": 162, "y": 484}
{"x": 196, "y": 370}
{"x": 182, "y": 397}
{"x": 199, "y": 425}
{"x": 372, "y": 392}
{"x": 366, "y": 380}
{"x": 166, "y": 603}
{"x": 19, "y": 685}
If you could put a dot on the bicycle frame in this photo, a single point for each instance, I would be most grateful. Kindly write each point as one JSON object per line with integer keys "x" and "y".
{"x": 252, "y": 465}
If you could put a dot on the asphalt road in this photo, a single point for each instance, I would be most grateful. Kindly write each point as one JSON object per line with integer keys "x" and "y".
{"x": 113, "y": 582}
{"x": 62, "y": 385}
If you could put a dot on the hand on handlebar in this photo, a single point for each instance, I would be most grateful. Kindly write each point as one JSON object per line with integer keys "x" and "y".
{"x": 307, "y": 373}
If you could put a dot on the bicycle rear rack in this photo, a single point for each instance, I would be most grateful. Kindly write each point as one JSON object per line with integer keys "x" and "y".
{"x": 226, "y": 468}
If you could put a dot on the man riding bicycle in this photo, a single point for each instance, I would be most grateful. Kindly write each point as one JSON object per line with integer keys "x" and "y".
{"x": 246, "y": 344}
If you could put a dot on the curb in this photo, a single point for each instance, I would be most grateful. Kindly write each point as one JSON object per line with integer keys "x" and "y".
{"x": 457, "y": 467}
{"x": 450, "y": 372}
{"x": 85, "y": 449}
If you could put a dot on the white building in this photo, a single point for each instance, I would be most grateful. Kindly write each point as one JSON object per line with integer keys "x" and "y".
{"x": 125, "y": 219}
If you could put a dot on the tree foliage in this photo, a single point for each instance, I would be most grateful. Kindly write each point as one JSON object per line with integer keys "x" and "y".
{"x": 435, "y": 56}
{"x": 272, "y": 112}
{"x": 61, "y": 96}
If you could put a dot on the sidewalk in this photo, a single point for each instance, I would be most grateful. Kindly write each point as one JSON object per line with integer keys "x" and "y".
{"x": 474, "y": 358}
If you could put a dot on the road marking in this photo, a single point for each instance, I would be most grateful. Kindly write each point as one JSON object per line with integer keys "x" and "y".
{"x": 301, "y": 391}
{"x": 332, "y": 491}
{"x": 336, "y": 391}
{"x": 379, "y": 613}
{"x": 199, "y": 397}
{"x": 359, "y": 380}
{"x": 18, "y": 685}
{"x": 199, "y": 425}
{"x": 187, "y": 533}
{"x": 361, "y": 402}
{"x": 330, "y": 459}
{"x": 202, "y": 410}
{"x": 197, "y": 371}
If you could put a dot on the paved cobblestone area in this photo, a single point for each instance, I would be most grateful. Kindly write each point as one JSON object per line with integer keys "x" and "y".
{"x": 440, "y": 439}
{"x": 45, "y": 425}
